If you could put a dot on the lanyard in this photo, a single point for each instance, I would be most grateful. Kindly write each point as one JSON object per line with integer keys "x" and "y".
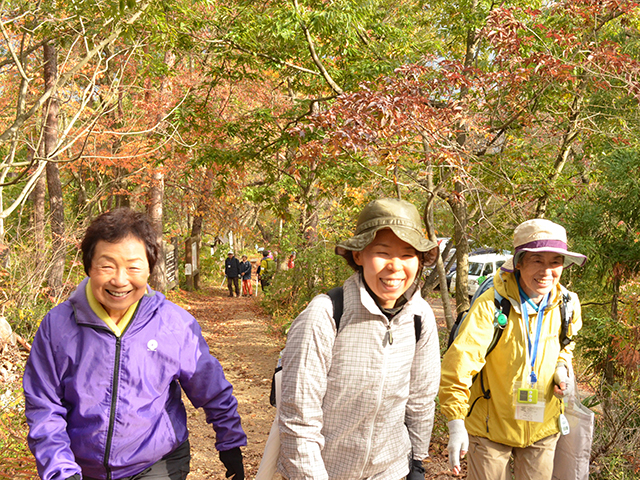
{"x": 532, "y": 347}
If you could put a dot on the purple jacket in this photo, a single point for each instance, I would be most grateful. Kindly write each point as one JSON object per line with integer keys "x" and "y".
{"x": 110, "y": 407}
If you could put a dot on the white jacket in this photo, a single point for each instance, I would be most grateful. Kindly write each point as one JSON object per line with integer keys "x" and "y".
{"x": 355, "y": 405}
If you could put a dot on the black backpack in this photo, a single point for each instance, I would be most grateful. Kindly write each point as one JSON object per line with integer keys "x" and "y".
{"x": 337, "y": 299}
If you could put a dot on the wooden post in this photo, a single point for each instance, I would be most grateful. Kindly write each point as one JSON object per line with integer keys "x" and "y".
{"x": 192, "y": 263}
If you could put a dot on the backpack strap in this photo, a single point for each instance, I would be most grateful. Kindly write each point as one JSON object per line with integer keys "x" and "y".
{"x": 337, "y": 299}
{"x": 500, "y": 318}
{"x": 566, "y": 314}
{"x": 417, "y": 324}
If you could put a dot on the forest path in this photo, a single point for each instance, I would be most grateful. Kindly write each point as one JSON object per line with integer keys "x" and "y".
{"x": 240, "y": 335}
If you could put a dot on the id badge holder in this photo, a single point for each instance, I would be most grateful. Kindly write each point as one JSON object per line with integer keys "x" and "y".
{"x": 529, "y": 402}
{"x": 563, "y": 423}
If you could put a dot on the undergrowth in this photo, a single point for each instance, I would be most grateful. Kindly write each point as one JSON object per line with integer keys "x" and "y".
{"x": 17, "y": 461}
{"x": 317, "y": 270}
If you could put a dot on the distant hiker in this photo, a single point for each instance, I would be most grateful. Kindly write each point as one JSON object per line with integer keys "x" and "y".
{"x": 232, "y": 272}
{"x": 292, "y": 261}
{"x": 266, "y": 270}
{"x": 103, "y": 383}
{"x": 245, "y": 273}
{"x": 358, "y": 401}
{"x": 506, "y": 399}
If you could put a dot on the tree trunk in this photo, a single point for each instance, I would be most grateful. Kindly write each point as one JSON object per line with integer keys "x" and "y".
{"x": 571, "y": 132}
{"x": 196, "y": 226}
{"x": 439, "y": 267}
{"x": 158, "y": 279}
{"x": 310, "y": 225}
{"x": 431, "y": 231}
{"x": 53, "y": 174}
{"x": 38, "y": 197}
{"x": 459, "y": 207}
{"x": 458, "y": 202}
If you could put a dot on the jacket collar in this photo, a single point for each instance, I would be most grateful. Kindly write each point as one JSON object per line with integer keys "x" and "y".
{"x": 84, "y": 314}
{"x": 506, "y": 285}
{"x": 368, "y": 301}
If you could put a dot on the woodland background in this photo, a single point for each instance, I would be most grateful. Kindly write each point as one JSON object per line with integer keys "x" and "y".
{"x": 279, "y": 120}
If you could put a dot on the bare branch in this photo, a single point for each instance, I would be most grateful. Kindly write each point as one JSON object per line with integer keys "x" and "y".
{"x": 334, "y": 86}
{"x": 20, "y": 119}
{"x": 270, "y": 58}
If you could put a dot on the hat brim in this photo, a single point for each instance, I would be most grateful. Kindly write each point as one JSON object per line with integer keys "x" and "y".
{"x": 570, "y": 258}
{"x": 359, "y": 242}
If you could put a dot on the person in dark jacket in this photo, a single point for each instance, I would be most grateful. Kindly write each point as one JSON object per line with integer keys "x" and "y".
{"x": 103, "y": 383}
{"x": 232, "y": 272}
{"x": 245, "y": 273}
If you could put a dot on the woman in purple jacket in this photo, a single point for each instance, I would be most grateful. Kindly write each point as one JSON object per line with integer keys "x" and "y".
{"x": 104, "y": 380}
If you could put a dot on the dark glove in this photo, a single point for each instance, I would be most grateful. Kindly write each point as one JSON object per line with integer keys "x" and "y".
{"x": 416, "y": 470}
{"x": 232, "y": 459}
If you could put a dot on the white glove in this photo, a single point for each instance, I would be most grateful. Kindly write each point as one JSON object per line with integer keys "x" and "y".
{"x": 562, "y": 376}
{"x": 458, "y": 443}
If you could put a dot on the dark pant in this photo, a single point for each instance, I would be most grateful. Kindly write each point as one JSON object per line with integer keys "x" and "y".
{"x": 265, "y": 282}
{"x": 173, "y": 466}
{"x": 235, "y": 282}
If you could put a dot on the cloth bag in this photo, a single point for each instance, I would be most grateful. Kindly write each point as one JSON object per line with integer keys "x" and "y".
{"x": 573, "y": 451}
{"x": 269, "y": 462}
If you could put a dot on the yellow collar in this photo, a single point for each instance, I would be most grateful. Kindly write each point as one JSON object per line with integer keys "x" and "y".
{"x": 99, "y": 310}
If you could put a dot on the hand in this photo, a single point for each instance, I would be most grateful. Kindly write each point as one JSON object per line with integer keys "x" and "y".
{"x": 458, "y": 444}
{"x": 416, "y": 470}
{"x": 563, "y": 384}
{"x": 232, "y": 460}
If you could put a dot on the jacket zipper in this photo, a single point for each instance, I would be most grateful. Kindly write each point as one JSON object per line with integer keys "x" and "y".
{"x": 379, "y": 402}
{"x": 112, "y": 412}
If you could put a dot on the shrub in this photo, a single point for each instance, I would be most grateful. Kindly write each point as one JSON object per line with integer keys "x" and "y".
{"x": 317, "y": 270}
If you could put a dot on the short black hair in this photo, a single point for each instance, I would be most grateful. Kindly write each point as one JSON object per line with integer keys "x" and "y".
{"x": 116, "y": 225}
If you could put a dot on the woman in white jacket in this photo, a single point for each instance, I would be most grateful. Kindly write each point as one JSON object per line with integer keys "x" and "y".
{"x": 358, "y": 402}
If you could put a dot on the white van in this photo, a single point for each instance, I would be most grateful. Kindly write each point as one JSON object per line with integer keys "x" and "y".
{"x": 480, "y": 267}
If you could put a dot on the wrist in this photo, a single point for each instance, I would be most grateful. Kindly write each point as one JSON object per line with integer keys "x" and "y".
{"x": 455, "y": 423}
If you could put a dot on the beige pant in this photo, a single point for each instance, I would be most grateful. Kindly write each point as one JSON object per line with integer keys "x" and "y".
{"x": 490, "y": 460}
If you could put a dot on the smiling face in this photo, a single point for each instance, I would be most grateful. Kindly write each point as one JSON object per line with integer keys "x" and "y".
{"x": 119, "y": 273}
{"x": 539, "y": 273}
{"x": 389, "y": 266}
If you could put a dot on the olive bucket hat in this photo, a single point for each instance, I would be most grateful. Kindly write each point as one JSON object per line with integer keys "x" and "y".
{"x": 398, "y": 215}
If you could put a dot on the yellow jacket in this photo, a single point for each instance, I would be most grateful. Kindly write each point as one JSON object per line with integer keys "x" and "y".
{"x": 503, "y": 367}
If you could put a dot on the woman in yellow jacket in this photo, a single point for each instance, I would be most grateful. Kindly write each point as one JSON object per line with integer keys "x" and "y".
{"x": 525, "y": 376}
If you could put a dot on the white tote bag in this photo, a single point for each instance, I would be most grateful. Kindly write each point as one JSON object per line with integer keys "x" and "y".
{"x": 574, "y": 450}
{"x": 269, "y": 462}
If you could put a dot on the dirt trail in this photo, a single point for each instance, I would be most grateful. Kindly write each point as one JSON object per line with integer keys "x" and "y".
{"x": 240, "y": 336}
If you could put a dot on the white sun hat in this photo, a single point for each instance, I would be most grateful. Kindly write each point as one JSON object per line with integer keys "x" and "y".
{"x": 539, "y": 235}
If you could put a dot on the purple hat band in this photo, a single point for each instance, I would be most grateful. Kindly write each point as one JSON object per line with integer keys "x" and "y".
{"x": 556, "y": 244}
